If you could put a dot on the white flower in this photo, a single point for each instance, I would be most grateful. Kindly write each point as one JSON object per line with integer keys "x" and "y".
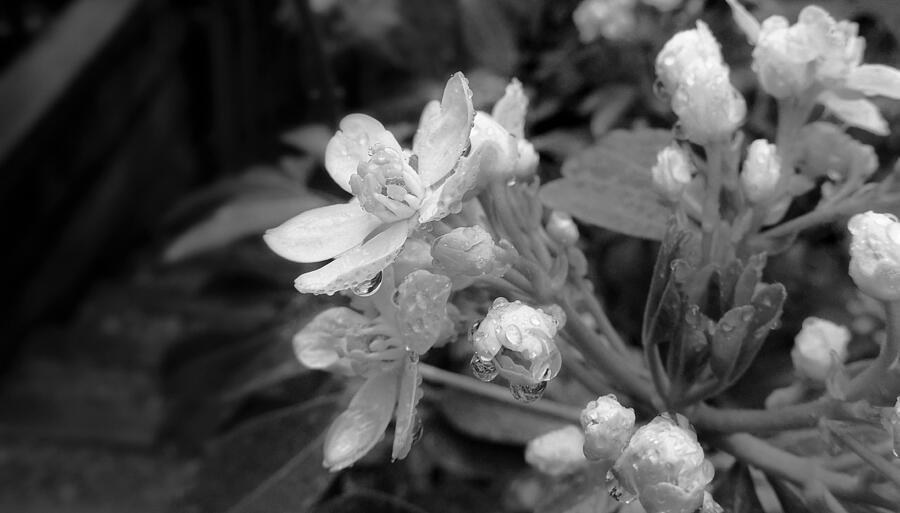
{"x": 558, "y": 452}
{"x": 683, "y": 50}
{"x": 672, "y": 172}
{"x": 664, "y": 467}
{"x": 607, "y": 428}
{"x": 761, "y": 173}
{"x": 501, "y": 136}
{"x": 875, "y": 255}
{"x": 612, "y": 19}
{"x": 818, "y": 342}
{"x": 471, "y": 251}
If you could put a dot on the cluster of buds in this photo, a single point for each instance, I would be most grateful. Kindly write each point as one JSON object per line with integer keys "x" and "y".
{"x": 875, "y": 255}
{"x": 818, "y": 347}
{"x": 692, "y": 72}
{"x": 516, "y": 341}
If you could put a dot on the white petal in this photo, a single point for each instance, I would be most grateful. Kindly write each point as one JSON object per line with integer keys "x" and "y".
{"x": 857, "y": 112}
{"x": 357, "y": 265}
{"x": 875, "y": 80}
{"x": 322, "y": 233}
{"x": 443, "y": 135}
{"x": 448, "y": 197}
{"x": 351, "y": 145}
{"x": 510, "y": 110}
{"x": 745, "y": 21}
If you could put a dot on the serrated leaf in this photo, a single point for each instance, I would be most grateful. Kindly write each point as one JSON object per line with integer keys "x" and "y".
{"x": 407, "y": 398}
{"x": 490, "y": 420}
{"x": 728, "y": 339}
{"x": 620, "y": 206}
{"x": 269, "y": 462}
{"x": 241, "y": 218}
{"x": 622, "y": 153}
{"x": 736, "y": 492}
{"x": 355, "y": 431}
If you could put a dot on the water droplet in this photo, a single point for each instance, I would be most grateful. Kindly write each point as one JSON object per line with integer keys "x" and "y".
{"x": 659, "y": 89}
{"x": 473, "y": 329}
{"x": 726, "y": 327}
{"x": 513, "y": 336}
{"x": 418, "y": 429}
{"x": 368, "y": 287}
{"x": 484, "y": 370}
{"x": 413, "y": 357}
{"x": 528, "y": 393}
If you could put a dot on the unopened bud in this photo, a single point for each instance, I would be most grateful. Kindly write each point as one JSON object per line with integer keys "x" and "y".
{"x": 816, "y": 346}
{"x": 682, "y": 51}
{"x": 607, "y": 428}
{"x": 875, "y": 255}
{"x": 562, "y": 228}
{"x": 761, "y": 172}
{"x": 672, "y": 172}
{"x": 612, "y": 19}
{"x": 664, "y": 467}
{"x": 558, "y": 452}
{"x": 472, "y": 252}
{"x": 708, "y": 106}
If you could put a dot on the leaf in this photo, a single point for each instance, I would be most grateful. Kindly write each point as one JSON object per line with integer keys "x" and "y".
{"x": 627, "y": 208}
{"x": 768, "y": 302}
{"x": 728, "y": 339}
{"x": 268, "y": 464}
{"x": 622, "y": 153}
{"x": 749, "y": 279}
{"x": 408, "y": 397}
{"x": 489, "y": 36}
{"x": 362, "y": 424}
{"x": 736, "y": 492}
{"x": 241, "y": 218}
{"x": 494, "y": 421}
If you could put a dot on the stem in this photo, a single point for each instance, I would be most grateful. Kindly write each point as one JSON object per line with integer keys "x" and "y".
{"x": 874, "y": 459}
{"x": 782, "y": 464}
{"x": 497, "y": 393}
{"x": 804, "y": 415}
{"x": 599, "y": 313}
{"x": 880, "y": 382}
{"x": 711, "y": 214}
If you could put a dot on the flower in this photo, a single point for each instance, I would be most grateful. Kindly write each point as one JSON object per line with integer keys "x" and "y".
{"x": 664, "y": 466}
{"x": 826, "y": 150}
{"x": 691, "y": 70}
{"x": 672, "y": 172}
{"x": 822, "y": 57}
{"x": 501, "y": 135}
{"x": 607, "y": 428}
{"x": 612, "y": 19}
{"x": 875, "y": 255}
{"x": 558, "y": 452}
{"x": 471, "y": 251}
{"x": 816, "y": 347}
{"x": 394, "y": 191}
{"x": 519, "y": 340}
{"x": 761, "y": 173}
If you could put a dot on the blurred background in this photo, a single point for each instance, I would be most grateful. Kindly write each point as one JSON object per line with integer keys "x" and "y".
{"x": 145, "y": 360}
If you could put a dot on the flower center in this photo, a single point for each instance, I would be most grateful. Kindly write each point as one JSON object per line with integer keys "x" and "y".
{"x": 387, "y": 186}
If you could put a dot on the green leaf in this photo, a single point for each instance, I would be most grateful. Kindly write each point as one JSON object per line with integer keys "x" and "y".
{"x": 768, "y": 302}
{"x": 622, "y": 153}
{"x": 490, "y": 420}
{"x": 728, "y": 339}
{"x": 621, "y": 205}
{"x": 736, "y": 492}
{"x": 362, "y": 424}
{"x": 749, "y": 279}
{"x": 268, "y": 464}
{"x": 407, "y": 399}
{"x": 790, "y": 497}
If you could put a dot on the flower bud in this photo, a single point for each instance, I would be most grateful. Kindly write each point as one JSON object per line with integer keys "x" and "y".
{"x": 612, "y": 19}
{"x": 818, "y": 342}
{"x": 561, "y": 228}
{"x": 664, "y": 467}
{"x": 672, "y": 172}
{"x": 782, "y": 58}
{"x": 486, "y": 131}
{"x": 708, "y": 107}
{"x": 519, "y": 338}
{"x": 607, "y": 428}
{"x": 682, "y": 51}
{"x": 826, "y": 150}
{"x": 558, "y": 452}
{"x": 875, "y": 255}
{"x": 761, "y": 172}
{"x": 471, "y": 251}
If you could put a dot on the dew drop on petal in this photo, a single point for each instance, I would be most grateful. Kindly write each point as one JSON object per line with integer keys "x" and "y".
{"x": 368, "y": 287}
{"x": 484, "y": 370}
{"x": 528, "y": 393}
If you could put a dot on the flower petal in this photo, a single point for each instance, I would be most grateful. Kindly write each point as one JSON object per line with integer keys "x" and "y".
{"x": 322, "y": 233}
{"x": 857, "y": 112}
{"x": 444, "y": 134}
{"x": 316, "y": 345}
{"x": 745, "y": 21}
{"x": 875, "y": 80}
{"x": 351, "y": 144}
{"x": 447, "y": 198}
{"x": 357, "y": 265}
{"x": 509, "y": 111}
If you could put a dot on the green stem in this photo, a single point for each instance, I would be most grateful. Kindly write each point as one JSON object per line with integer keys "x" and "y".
{"x": 874, "y": 459}
{"x": 797, "y": 416}
{"x": 711, "y": 214}
{"x": 880, "y": 382}
{"x": 497, "y": 393}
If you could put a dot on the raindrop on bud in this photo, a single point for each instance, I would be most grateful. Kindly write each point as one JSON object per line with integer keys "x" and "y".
{"x": 368, "y": 287}
{"x": 484, "y": 370}
{"x": 528, "y": 393}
